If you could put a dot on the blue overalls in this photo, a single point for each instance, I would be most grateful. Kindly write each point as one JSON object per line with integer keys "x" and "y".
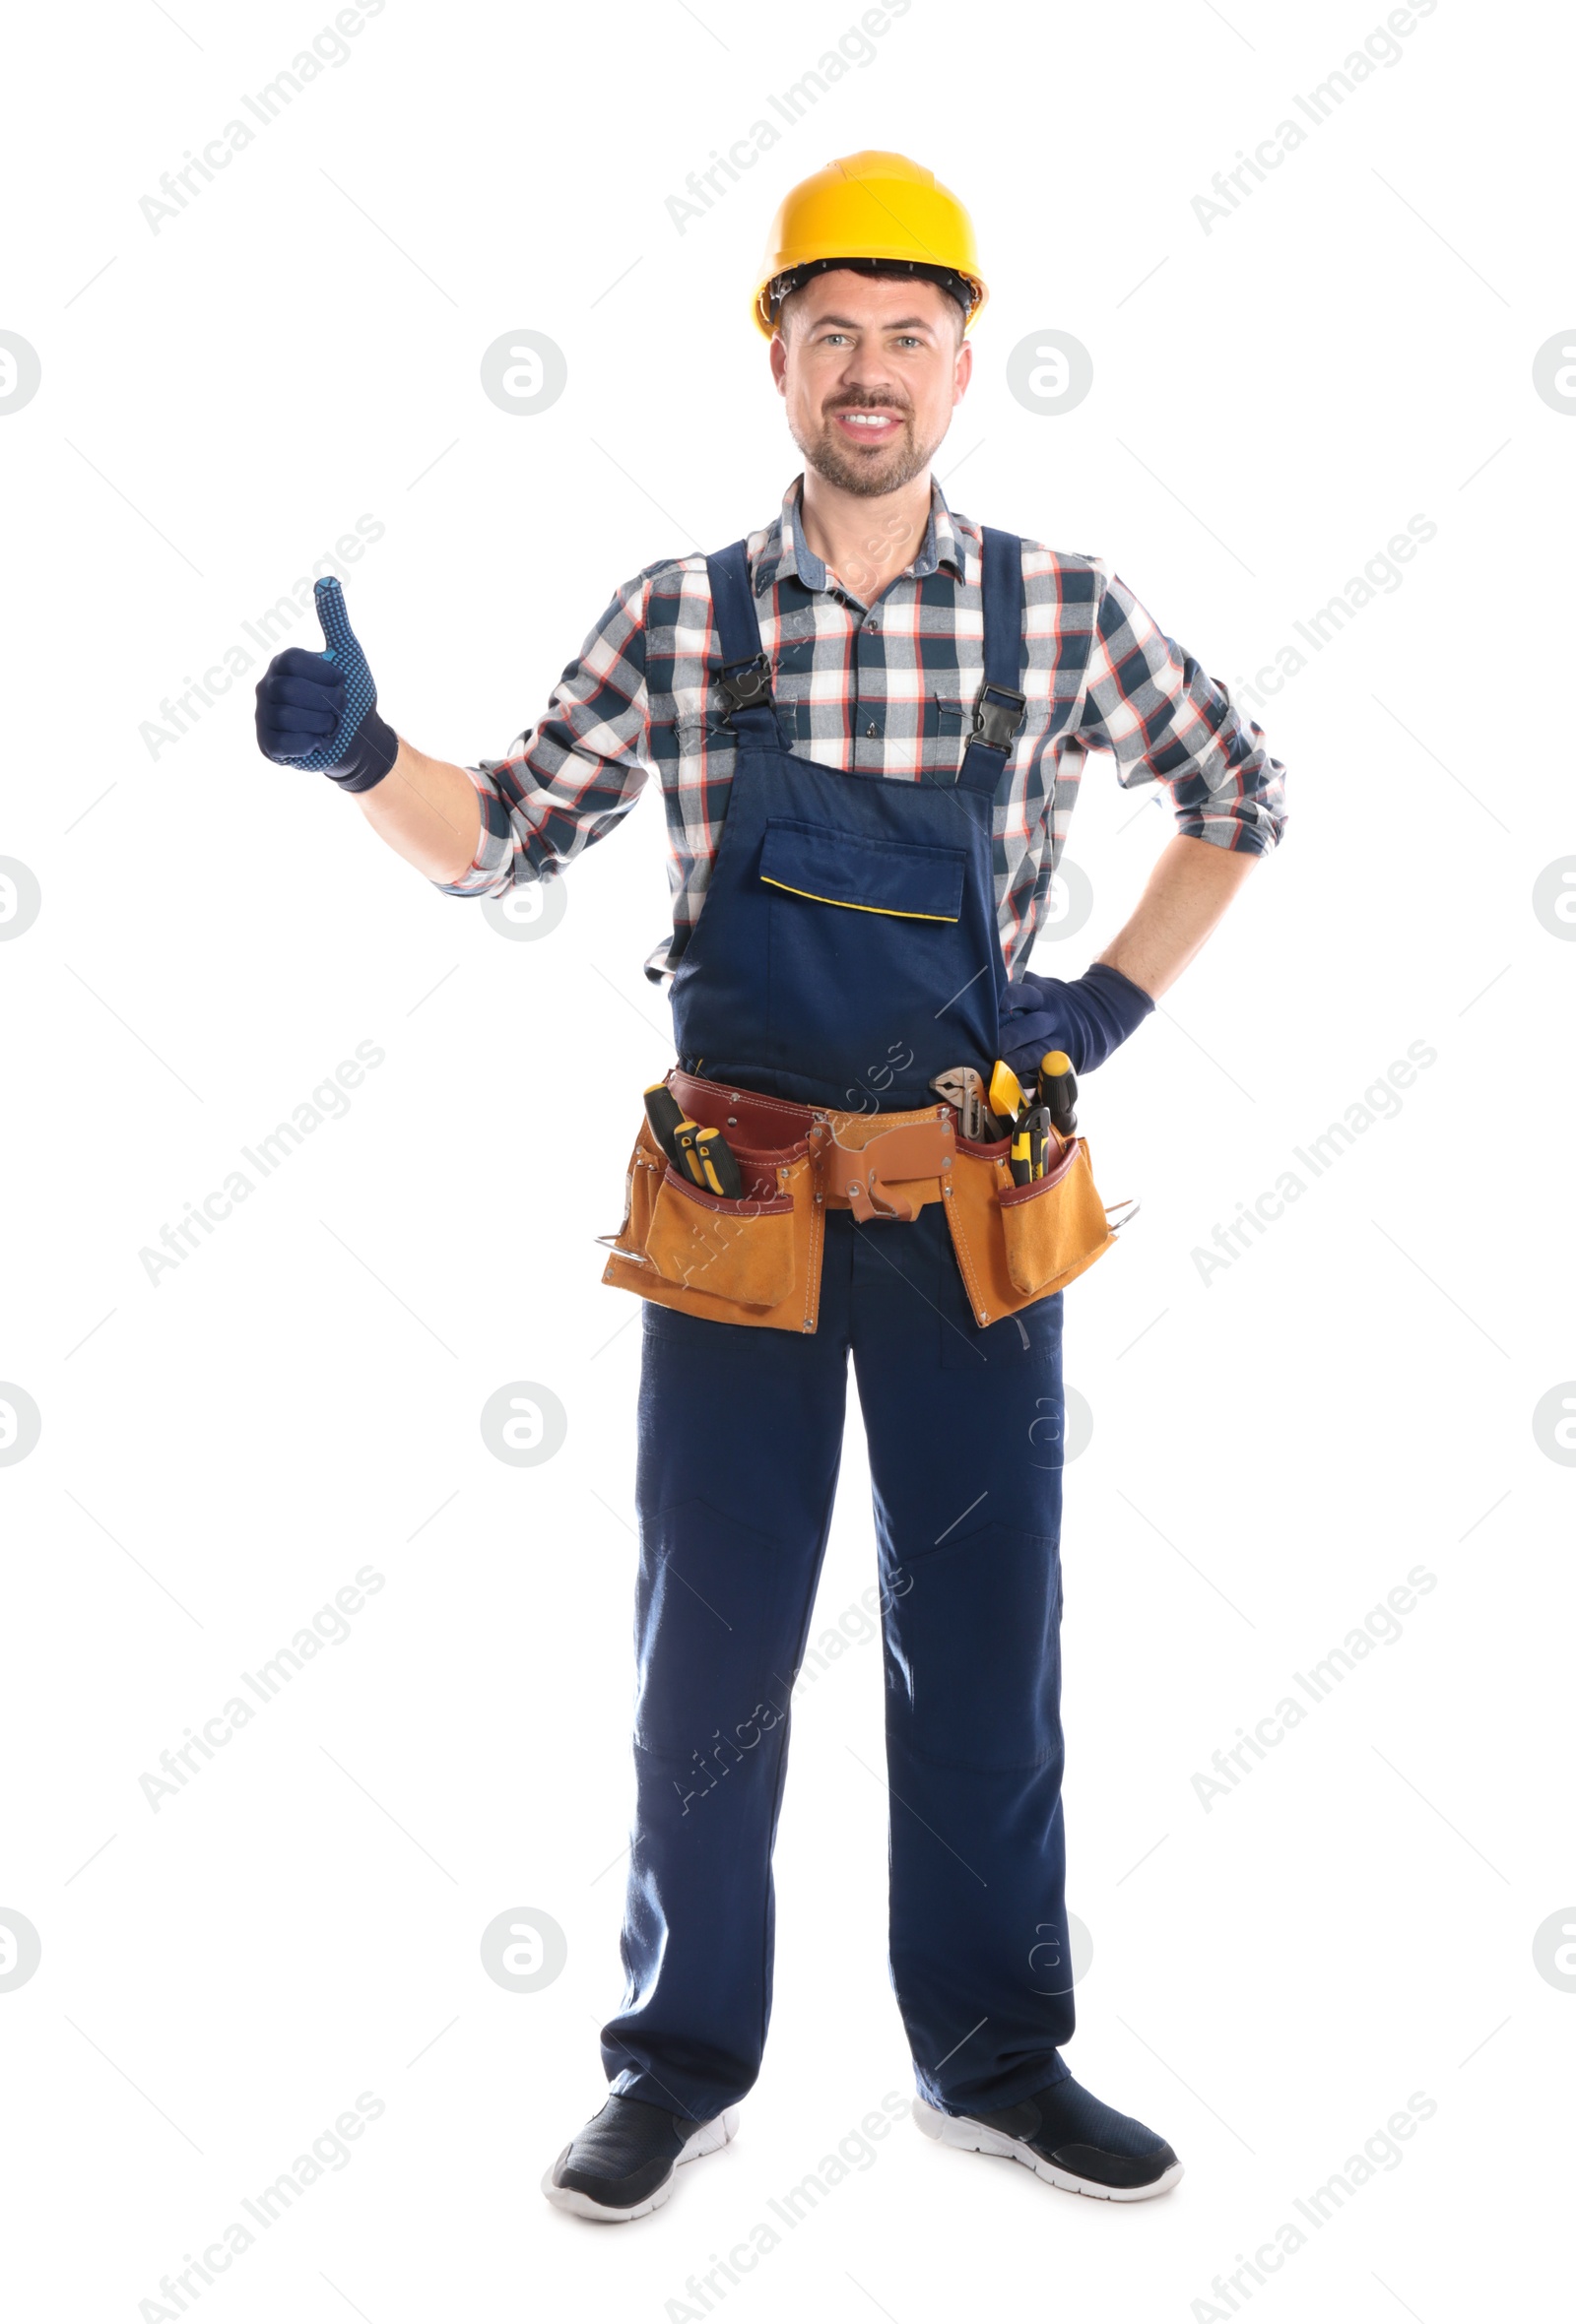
{"x": 847, "y": 952}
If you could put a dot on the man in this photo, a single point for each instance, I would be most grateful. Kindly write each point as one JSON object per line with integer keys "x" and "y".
{"x": 871, "y": 702}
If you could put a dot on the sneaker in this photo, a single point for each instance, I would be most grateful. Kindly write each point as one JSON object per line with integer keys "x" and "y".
{"x": 621, "y": 2166}
{"x": 1067, "y": 2137}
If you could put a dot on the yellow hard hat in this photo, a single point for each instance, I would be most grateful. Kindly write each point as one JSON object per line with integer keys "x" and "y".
{"x": 871, "y": 206}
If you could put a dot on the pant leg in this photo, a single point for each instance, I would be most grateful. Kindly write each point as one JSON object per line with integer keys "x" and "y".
{"x": 739, "y": 1439}
{"x": 966, "y": 1448}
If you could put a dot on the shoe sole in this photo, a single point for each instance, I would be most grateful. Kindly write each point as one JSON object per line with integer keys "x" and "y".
{"x": 705, "y": 2140}
{"x": 976, "y": 2138}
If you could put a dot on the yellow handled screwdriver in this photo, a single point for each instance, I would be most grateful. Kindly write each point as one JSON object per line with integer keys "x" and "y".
{"x": 710, "y": 1160}
{"x": 664, "y": 1113}
{"x": 684, "y": 1135}
{"x": 716, "y": 1158}
{"x": 1058, "y": 1090}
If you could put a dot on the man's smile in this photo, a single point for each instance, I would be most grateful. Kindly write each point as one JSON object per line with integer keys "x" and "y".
{"x": 868, "y": 426}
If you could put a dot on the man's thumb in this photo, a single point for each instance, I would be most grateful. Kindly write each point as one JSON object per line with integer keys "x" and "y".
{"x": 338, "y": 637}
{"x": 342, "y": 649}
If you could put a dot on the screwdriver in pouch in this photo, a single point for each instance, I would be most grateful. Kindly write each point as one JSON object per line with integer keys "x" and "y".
{"x": 707, "y": 1160}
{"x": 716, "y": 1158}
{"x": 689, "y": 1165}
{"x": 664, "y": 1113}
{"x": 1058, "y": 1091}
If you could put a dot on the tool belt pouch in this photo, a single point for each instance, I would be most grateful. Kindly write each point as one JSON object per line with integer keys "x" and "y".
{"x": 756, "y": 1261}
{"x": 1016, "y": 1244}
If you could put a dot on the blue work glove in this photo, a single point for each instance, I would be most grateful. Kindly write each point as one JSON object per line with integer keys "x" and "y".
{"x": 320, "y": 711}
{"x": 1088, "y": 1018}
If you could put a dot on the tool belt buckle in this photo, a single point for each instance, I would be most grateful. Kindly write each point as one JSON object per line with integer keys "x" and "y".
{"x": 860, "y": 1175}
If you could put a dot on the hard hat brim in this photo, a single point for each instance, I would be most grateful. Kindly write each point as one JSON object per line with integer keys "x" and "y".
{"x": 766, "y": 308}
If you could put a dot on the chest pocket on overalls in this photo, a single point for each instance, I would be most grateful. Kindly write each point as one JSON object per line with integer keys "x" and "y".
{"x": 908, "y": 881}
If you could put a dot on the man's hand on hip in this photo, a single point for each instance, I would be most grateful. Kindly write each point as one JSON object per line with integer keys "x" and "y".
{"x": 1088, "y": 1017}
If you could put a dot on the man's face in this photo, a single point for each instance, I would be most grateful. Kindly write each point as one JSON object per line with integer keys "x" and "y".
{"x": 870, "y": 372}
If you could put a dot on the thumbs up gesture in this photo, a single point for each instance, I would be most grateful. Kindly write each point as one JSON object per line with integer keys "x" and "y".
{"x": 320, "y": 711}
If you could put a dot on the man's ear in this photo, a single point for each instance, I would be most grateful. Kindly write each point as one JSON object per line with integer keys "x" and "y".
{"x": 965, "y": 372}
{"x": 779, "y": 362}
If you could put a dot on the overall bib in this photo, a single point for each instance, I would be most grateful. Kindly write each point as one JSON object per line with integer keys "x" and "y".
{"x": 847, "y": 952}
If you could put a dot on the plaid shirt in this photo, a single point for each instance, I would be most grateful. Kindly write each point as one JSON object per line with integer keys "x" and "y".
{"x": 885, "y": 688}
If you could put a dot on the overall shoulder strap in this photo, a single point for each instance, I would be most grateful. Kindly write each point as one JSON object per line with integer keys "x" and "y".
{"x": 1002, "y": 588}
{"x": 745, "y": 677}
{"x": 998, "y": 707}
{"x": 733, "y": 603}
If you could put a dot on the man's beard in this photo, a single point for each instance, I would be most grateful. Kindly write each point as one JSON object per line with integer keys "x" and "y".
{"x": 901, "y": 460}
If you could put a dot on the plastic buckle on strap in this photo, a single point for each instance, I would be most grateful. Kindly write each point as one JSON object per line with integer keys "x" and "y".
{"x": 998, "y": 716}
{"x": 745, "y": 688}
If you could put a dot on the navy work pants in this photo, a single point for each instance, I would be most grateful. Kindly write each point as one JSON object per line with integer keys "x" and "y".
{"x": 740, "y": 1439}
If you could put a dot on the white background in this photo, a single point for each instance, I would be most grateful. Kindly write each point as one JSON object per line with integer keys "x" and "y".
{"x": 219, "y": 1452}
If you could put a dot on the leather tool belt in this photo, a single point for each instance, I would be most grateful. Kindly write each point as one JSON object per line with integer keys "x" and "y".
{"x": 869, "y": 1163}
{"x": 756, "y": 1259}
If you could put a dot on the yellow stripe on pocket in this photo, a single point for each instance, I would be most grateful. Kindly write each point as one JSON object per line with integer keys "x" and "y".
{"x": 842, "y": 903}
